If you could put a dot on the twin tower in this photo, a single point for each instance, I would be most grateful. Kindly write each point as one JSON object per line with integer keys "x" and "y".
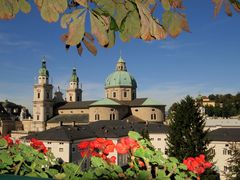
{"x": 43, "y": 101}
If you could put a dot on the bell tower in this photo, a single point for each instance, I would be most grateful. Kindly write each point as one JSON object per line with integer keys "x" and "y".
{"x": 42, "y": 99}
{"x": 74, "y": 93}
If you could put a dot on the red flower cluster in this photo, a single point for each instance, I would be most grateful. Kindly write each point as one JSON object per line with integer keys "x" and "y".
{"x": 127, "y": 144}
{"x": 8, "y": 139}
{"x": 100, "y": 148}
{"x": 38, "y": 145}
{"x": 197, "y": 164}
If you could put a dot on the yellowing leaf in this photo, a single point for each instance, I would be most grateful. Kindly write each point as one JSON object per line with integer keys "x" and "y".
{"x": 76, "y": 30}
{"x": 24, "y": 6}
{"x": 89, "y": 36}
{"x": 79, "y": 49}
{"x": 227, "y": 8}
{"x": 121, "y": 13}
{"x": 67, "y": 18}
{"x": 49, "y": 13}
{"x": 111, "y": 37}
{"x": 99, "y": 29}
{"x": 172, "y": 23}
{"x": 82, "y": 2}
{"x": 90, "y": 46}
{"x": 39, "y": 3}
{"x": 218, "y": 5}
{"x": 8, "y": 9}
{"x": 166, "y": 4}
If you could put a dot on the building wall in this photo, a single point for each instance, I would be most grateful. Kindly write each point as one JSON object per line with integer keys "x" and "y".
{"x": 73, "y": 111}
{"x": 27, "y": 125}
{"x": 120, "y": 93}
{"x": 74, "y": 95}
{"x": 158, "y": 141}
{"x": 60, "y": 149}
{"x": 6, "y": 126}
{"x": 105, "y": 112}
{"x": 147, "y": 113}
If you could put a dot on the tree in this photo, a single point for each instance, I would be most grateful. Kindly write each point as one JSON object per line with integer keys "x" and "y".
{"x": 234, "y": 162}
{"x": 187, "y": 137}
{"x": 129, "y": 18}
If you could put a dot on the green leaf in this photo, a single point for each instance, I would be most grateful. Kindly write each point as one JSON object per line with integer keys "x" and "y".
{"x": 76, "y": 30}
{"x": 143, "y": 175}
{"x": 121, "y": 13}
{"x": 173, "y": 159}
{"x": 18, "y": 157}
{"x": 60, "y": 176}
{"x": 161, "y": 175}
{"x": 118, "y": 169}
{"x": 111, "y": 38}
{"x": 166, "y": 4}
{"x": 52, "y": 172}
{"x": 182, "y": 166}
{"x": 3, "y": 143}
{"x": 98, "y": 162}
{"x": 24, "y": 6}
{"x": 107, "y": 6}
{"x": 134, "y": 135}
{"x": 5, "y": 157}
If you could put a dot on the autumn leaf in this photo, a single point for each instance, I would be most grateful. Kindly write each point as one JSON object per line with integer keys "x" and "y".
{"x": 82, "y": 2}
{"x": 24, "y": 6}
{"x": 79, "y": 49}
{"x": 89, "y": 36}
{"x": 90, "y": 46}
{"x": 227, "y": 8}
{"x": 9, "y": 9}
{"x": 166, "y": 4}
{"x": 218, "y": 5}
{"x": 106, "y": 6}
{"x": 76, "y": 30}
{"x": 99, "y": 29}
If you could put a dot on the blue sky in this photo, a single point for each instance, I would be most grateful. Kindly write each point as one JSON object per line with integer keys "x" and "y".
{"x": 204, "y": 61}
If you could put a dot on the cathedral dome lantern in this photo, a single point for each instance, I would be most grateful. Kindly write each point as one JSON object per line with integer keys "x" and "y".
{"x": 121, "y": 85}
{"x": 74, "y": 77}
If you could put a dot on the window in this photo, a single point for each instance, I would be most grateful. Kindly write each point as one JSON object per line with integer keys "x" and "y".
{"x": 224, "y": 151}
{"x": 49, "y": 142}
{"x": 114, "y": 94}
{"x": 97, "y": 117}
{"x": 125, "y": 94}
{"x": 78, "y": 99}
{"x": 151, "y": 139}
{"x": 229, "y": 152}
{"x": 112, "y": 116}
{"x": 73, "y": 149}
{"x": 159, "y": 139}
{"x": 61, "y": 143}
{"x": 37, "y": 117}
{"x": 49, "y": 149}
{"x": 70, "y": 98}
{"x": 60, "y": 149}
{"x": 48, "y": 95}
{"x": 153, "y": 117}
{"x": 153, "y": 109}
{"x": 159, "y": 149}
{"x": 38, "y": 95}
{"x": 136, "y": 110}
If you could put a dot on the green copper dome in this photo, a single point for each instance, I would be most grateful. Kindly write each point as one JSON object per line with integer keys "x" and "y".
{"x": 74, "y": 77}
{"x": 120, "y": 77}
{"x": 43, "y": 70}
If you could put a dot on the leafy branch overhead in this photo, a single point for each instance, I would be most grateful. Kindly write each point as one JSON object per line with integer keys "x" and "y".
{"x": 139, "y": 19}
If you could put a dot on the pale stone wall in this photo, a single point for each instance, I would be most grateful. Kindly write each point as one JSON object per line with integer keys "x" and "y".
{"x": 74, "y": 95}
{"x": 147, "y": 113}
{"x": 120, "y": 93}
{"x": 158, "y": 141}
{"x": 60, "y": 149}
{"x": 73, "y": 111}
{"x": 18, "y": 134}
{"x": 27, "y": 125}
{"x": 105, "y": 113}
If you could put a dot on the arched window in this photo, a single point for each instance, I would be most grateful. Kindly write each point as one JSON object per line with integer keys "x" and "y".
{"x": 78, "y": 99}
{"x": 114, "y": 94}
{"x": 97, "y": 117}
{"x": 125, "y": 94}
{"x": 38, "y": 95}
{"x": 70, "y": 98}
{"x": 48, "y": 95}
{"x": 153, "y": 116}
{"x": 112, "y": 117}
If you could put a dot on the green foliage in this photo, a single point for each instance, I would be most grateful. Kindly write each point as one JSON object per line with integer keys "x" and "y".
{"x": 145, "y": 163}
{"x": 187, "y": 137}
{"x": 227, "y": 105}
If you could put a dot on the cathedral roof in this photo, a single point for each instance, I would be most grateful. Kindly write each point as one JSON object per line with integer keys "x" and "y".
{"x": 225, "y": 134}
{"x": 120, "y": 77}
{"x": 77, "y": 105}
{"x": 105, "y": 101}
{"x": 67, "y": 118}
{"x": 74, "y": 77}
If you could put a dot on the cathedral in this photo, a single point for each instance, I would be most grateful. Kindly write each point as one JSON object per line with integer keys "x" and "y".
{"x": 120, "y": 102}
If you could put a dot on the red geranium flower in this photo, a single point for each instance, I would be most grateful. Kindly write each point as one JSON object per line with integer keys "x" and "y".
{"x": 8, "y": 139}
{"x": 126, "y": 144}
{"x": 83, "y": 145}
{"x": 38, "y": 145}
{"x": 111, "y": 160}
